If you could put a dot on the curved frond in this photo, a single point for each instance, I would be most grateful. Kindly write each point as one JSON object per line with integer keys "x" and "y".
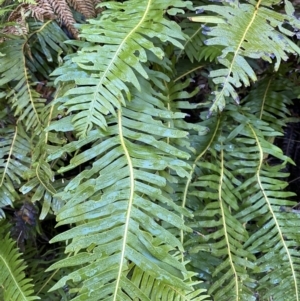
{"x": 222, "y": 234}
{"x": 47, "y": 44}
{"x": 267, "y": 203}
{"x": 269, "y": 100}
{"x": 194, "y": 46}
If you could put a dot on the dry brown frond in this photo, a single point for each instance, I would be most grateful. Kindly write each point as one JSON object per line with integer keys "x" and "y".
{"x": 97, "y": 9}
{"x": 65, "y": 15}
{"x": 43, "y": 10}
{"x": 85, "y": 7}
{"x": 51, "y": 9}
{"x": 17, "y": 16}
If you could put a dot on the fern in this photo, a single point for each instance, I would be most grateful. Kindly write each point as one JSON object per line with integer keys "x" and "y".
{"x": 14, "y": 284}
{"x": 128, "y": 152}
{"x": 107, "y": 136}
{"x": 14, "y": 163}
{"x": 102, "y": 73}
{"x": 244, "y": 33}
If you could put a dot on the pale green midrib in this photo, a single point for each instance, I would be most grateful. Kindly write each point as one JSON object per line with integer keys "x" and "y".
{"x": 189, "y": 40}
{"x": 9, "y": 156}
{"x": 109, "y": 66}
{"x": 130, "y": 203}
{"x": 237, "y": 51}
{"x": 272, "y": 212}
{"x": 46, "y": 141}
{"x": 28, "y": 89}
{"x": 3, "y": 259}
{"x": 264, "y": 99}
{"x": 225, "y": 226}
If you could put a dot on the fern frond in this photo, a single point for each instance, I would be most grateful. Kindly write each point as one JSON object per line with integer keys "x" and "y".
{"x": 14, "y": 163}
{"x": 41, "y": 182}
{"x": 276, "y": 238}
{"x": 102, "y": 73}
{"x": 124, "y": 180}
{"x": 14, "y": 284}
{"x": 87, "y": 8}
{"x": 47, "y": 44}
{"x": 223, "y": 234}
{"x": 194, "y": 42}
{"x": 26, "y": 102}
{"x": 160, "y": 291}
{"x": 269, "y": 100}
{"x": 194, "y": 47}
{"x": 246, "y": 31}
{"x": 63, "y": 11}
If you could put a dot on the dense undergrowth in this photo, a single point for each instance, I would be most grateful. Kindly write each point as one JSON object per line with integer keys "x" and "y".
{"x": 139, "y": 150}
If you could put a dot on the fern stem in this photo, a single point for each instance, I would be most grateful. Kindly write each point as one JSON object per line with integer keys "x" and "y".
{"x": 264, "y": 99}
{"x": 225, "y": 225}
{"x": 28, "y": 88}
{"x": 130, "y": 204}
{"x": 190, "y": 71}
{"x": 236, "y": 52}
{"x": 9, "y": 156}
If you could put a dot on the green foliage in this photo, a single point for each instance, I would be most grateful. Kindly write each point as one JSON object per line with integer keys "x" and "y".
{"x": 14, "y": 284}
{"x": 150, "y": 204}
{"x": 246, "y": 31}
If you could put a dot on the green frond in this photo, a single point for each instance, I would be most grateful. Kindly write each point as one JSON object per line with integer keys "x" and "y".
{"x": 14, "y": 284}
{"x": 245, "y": 31}
{"x": 111, "y": 58}
{"x": 41, "y": 182}
{"x": 194, "y": 47}
{"x": 269, "y": 100}
{"x": 194, "y": 42}
{"x": 47, "y": 46}
{"x": 25, "y": 101}
{"x": 276, "y": 238}
{"x": 124, "y": 179}
{"x": 14, "y": 163}
{"x": 223, "y": 234}
{"x": 160, "y": 291}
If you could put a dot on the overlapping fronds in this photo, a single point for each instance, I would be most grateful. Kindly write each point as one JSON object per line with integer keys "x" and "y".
{"x": 194, "y": 47}
{"x": 14, "y": 284}
{"x": 111, "y": 56}
{"x": 151, "y": 204}
{"x": 239, "y": 190}
{"x": 248, "y": 30}
{"x": 222, "y": 234}
{"x": 266, "y": 202}
{"x": 38, "y": 55}
{"x": 123, "y": 180}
